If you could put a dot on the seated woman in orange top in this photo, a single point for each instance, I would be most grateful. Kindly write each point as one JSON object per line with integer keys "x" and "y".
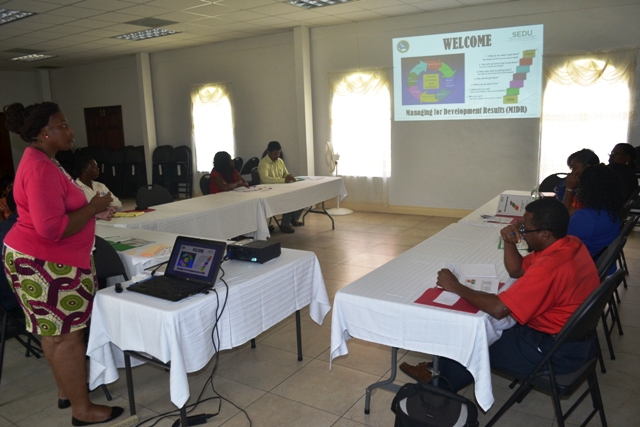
{"x": 223, "y": 176}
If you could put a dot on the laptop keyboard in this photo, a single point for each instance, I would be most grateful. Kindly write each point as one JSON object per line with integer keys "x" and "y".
{"x": 174, "y": 285}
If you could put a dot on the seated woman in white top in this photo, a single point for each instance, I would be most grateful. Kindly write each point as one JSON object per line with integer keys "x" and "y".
{"x": 88, "y": 171}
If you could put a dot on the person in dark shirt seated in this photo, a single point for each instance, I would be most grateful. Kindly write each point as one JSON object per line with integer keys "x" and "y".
{"x": 224, "y": 177}
{"x": 622, "y": 161}
{"x": 597, "y": 224}
{"x": 577, "y": 162}
{"x": 7, "y": 297}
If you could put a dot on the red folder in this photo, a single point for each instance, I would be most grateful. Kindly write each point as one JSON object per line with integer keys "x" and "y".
{"x": 462, "y": 305}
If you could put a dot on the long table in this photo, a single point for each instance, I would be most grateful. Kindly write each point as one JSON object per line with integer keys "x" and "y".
{"x": 380, "y": 307}
{"x": 259, "y": 296}
{"x": 233, "y": 213}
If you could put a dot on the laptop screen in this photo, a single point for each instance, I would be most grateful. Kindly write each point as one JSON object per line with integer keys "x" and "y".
{"x": 196, "y": 259}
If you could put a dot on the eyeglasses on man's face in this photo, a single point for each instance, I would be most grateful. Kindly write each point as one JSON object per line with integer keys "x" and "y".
{"x": 522, "y": 229}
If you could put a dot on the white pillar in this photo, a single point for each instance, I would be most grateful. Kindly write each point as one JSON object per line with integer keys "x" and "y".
{"x": 145, "y": 96}
{"x": 303, "y": 100}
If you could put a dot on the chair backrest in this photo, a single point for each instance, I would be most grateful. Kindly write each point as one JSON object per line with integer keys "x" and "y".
{"x": 204, "y": 184}
{"x": 107, "y": 260}
{"x": 237, "y": 164}
{"x": 255, "y": 177}
{"x": 584, "y": 320}
{"x": 609, "y": 256}
{"x": 551, "y": 182}
{"x": 250, "y": 164}
{"x": 628, "y": 226}
{"x": 152, "y": 195}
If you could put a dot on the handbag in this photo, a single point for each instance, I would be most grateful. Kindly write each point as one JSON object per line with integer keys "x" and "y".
{"x": 425, "y": 405}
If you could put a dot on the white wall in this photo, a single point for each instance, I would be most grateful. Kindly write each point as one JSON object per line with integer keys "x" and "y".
{"x": 461, "y": 164}
{"x": 99, "y": 85}
{"x": 22, "y": 87}
{"x": 261, "y": 74}
{"x": 451, "y": 164}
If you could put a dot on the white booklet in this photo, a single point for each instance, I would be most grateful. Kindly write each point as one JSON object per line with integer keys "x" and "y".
{"x": 479, "y": 277}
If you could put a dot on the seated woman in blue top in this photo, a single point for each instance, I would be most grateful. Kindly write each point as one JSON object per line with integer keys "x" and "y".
{"x": 597, "y": 224}
{"x": 577, "y": 162}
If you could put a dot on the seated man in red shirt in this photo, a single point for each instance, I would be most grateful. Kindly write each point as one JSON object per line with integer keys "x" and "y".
{"x": 552, "y": 283}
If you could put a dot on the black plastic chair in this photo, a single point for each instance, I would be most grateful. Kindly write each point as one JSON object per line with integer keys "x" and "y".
{"x": 152, "y": 195}
{"x": 13, "y": 326}
{"x": 581, "y": 325}
{"x": 102, "y": 159}
{"x": 182, "y": 175}
{"x": 66, "y": 159}
{"x": 205, "y": 184}
{"x": 249, "y": 165}
{"x": 627, "y": 227}
{"x": 604, "y": 262}
{"x": 237, "y": 164}
{"x": 135, "y": 171}
{"x": 113, "y": 176}
{"x": 550, "y": 183}
{"x": 108, "y": 262}
{"x": 163, "y": 167}
{"x": 255, "y": 177}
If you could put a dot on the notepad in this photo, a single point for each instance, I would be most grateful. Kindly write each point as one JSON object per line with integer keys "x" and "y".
{"x": 479, "y": 277}
{"x": 128, "y": 214}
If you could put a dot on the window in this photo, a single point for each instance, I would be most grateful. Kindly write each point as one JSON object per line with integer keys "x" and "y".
{"x": 361, "y": 125}
{"x": 587, "y": 104}
{"x": 212, "y": 124}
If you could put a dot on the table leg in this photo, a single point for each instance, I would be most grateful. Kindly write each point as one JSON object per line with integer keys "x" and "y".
{"x": 386, "y": 384}
{"x": 323, "y": 212}
{"x": 127, "y": 365}
{"x": 299, "y": 335}
{"x": 436, "y": 369}
{"x": 253, "y": 343}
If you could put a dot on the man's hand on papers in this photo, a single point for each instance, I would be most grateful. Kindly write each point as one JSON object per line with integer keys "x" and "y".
{"x": 447, "y": 280}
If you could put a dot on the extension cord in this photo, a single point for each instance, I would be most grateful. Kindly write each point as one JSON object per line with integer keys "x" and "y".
{"x": 127, "y": 422}
{"x": 193, "y": 420}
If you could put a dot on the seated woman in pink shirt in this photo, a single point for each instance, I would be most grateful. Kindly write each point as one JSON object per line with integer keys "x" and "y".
{"x": 223, "y": 176}
{"x": 47, "y": 253}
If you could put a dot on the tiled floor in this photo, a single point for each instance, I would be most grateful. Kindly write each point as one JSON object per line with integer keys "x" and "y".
{"x": 277, "y": 390}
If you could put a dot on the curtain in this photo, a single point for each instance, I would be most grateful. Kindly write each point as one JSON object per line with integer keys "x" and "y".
{"x": 212, "y": 123}
{"x": 589, "y": 101}
{"x": 361, "y": 133}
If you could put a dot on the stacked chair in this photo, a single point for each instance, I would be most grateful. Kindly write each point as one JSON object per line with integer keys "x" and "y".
{"x": 135, "y": 171}
{"x": 163, "y": 167}
{"x": 183, "y": 171}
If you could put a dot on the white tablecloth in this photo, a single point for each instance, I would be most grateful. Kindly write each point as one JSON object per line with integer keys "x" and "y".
{"x": 380, "y": 308}
{"x": 225, "y": 215}
{"x": 260, "y": 295}
{"x": 208, "y": 216}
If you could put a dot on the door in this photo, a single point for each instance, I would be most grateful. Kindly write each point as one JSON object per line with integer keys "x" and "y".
{"x": 104, "y": 127}
{"x": 6, "y": 157}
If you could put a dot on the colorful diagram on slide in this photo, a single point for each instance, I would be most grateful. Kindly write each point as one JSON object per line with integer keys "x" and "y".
{"x": 433, "y": 80}
{"x": 519, "y": 77}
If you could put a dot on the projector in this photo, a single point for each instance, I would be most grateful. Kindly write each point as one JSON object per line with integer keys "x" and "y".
{"x": 259, "y": 251}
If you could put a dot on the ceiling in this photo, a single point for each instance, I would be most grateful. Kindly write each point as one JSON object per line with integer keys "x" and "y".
{"x": 81, "y": 31}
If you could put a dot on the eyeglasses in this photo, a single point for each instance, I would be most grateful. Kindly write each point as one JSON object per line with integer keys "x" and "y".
{"x": 524, "y": 231}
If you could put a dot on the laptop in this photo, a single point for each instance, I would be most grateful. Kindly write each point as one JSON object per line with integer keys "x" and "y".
{"x": 193, "y": 268}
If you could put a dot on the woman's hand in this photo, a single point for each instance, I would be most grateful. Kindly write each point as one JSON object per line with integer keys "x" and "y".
{"x": 108, "y": 214}
{"x": 100, "y": 203}
{"x": 289, "y": 178}
{"x": 572, "y": 181}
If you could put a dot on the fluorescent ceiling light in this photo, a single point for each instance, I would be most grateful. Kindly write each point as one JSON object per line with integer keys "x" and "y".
{"x": 31, "y": 58}
{"x": 146, "y": 34}
{"x": 7, "y": 15}
{"x": 310, "y": 4}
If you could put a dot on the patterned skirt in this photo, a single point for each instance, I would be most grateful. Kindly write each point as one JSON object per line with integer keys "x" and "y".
{"x": 56, "y": 298}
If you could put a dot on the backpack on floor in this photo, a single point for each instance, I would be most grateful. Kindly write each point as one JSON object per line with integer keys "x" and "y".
{"x": 425, "y": 405}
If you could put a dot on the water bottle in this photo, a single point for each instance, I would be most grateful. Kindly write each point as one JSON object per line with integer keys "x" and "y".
{"x": 535, "y": 194}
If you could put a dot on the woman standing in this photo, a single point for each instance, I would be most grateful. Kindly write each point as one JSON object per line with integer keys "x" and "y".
{"x": 47, "y": 253}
